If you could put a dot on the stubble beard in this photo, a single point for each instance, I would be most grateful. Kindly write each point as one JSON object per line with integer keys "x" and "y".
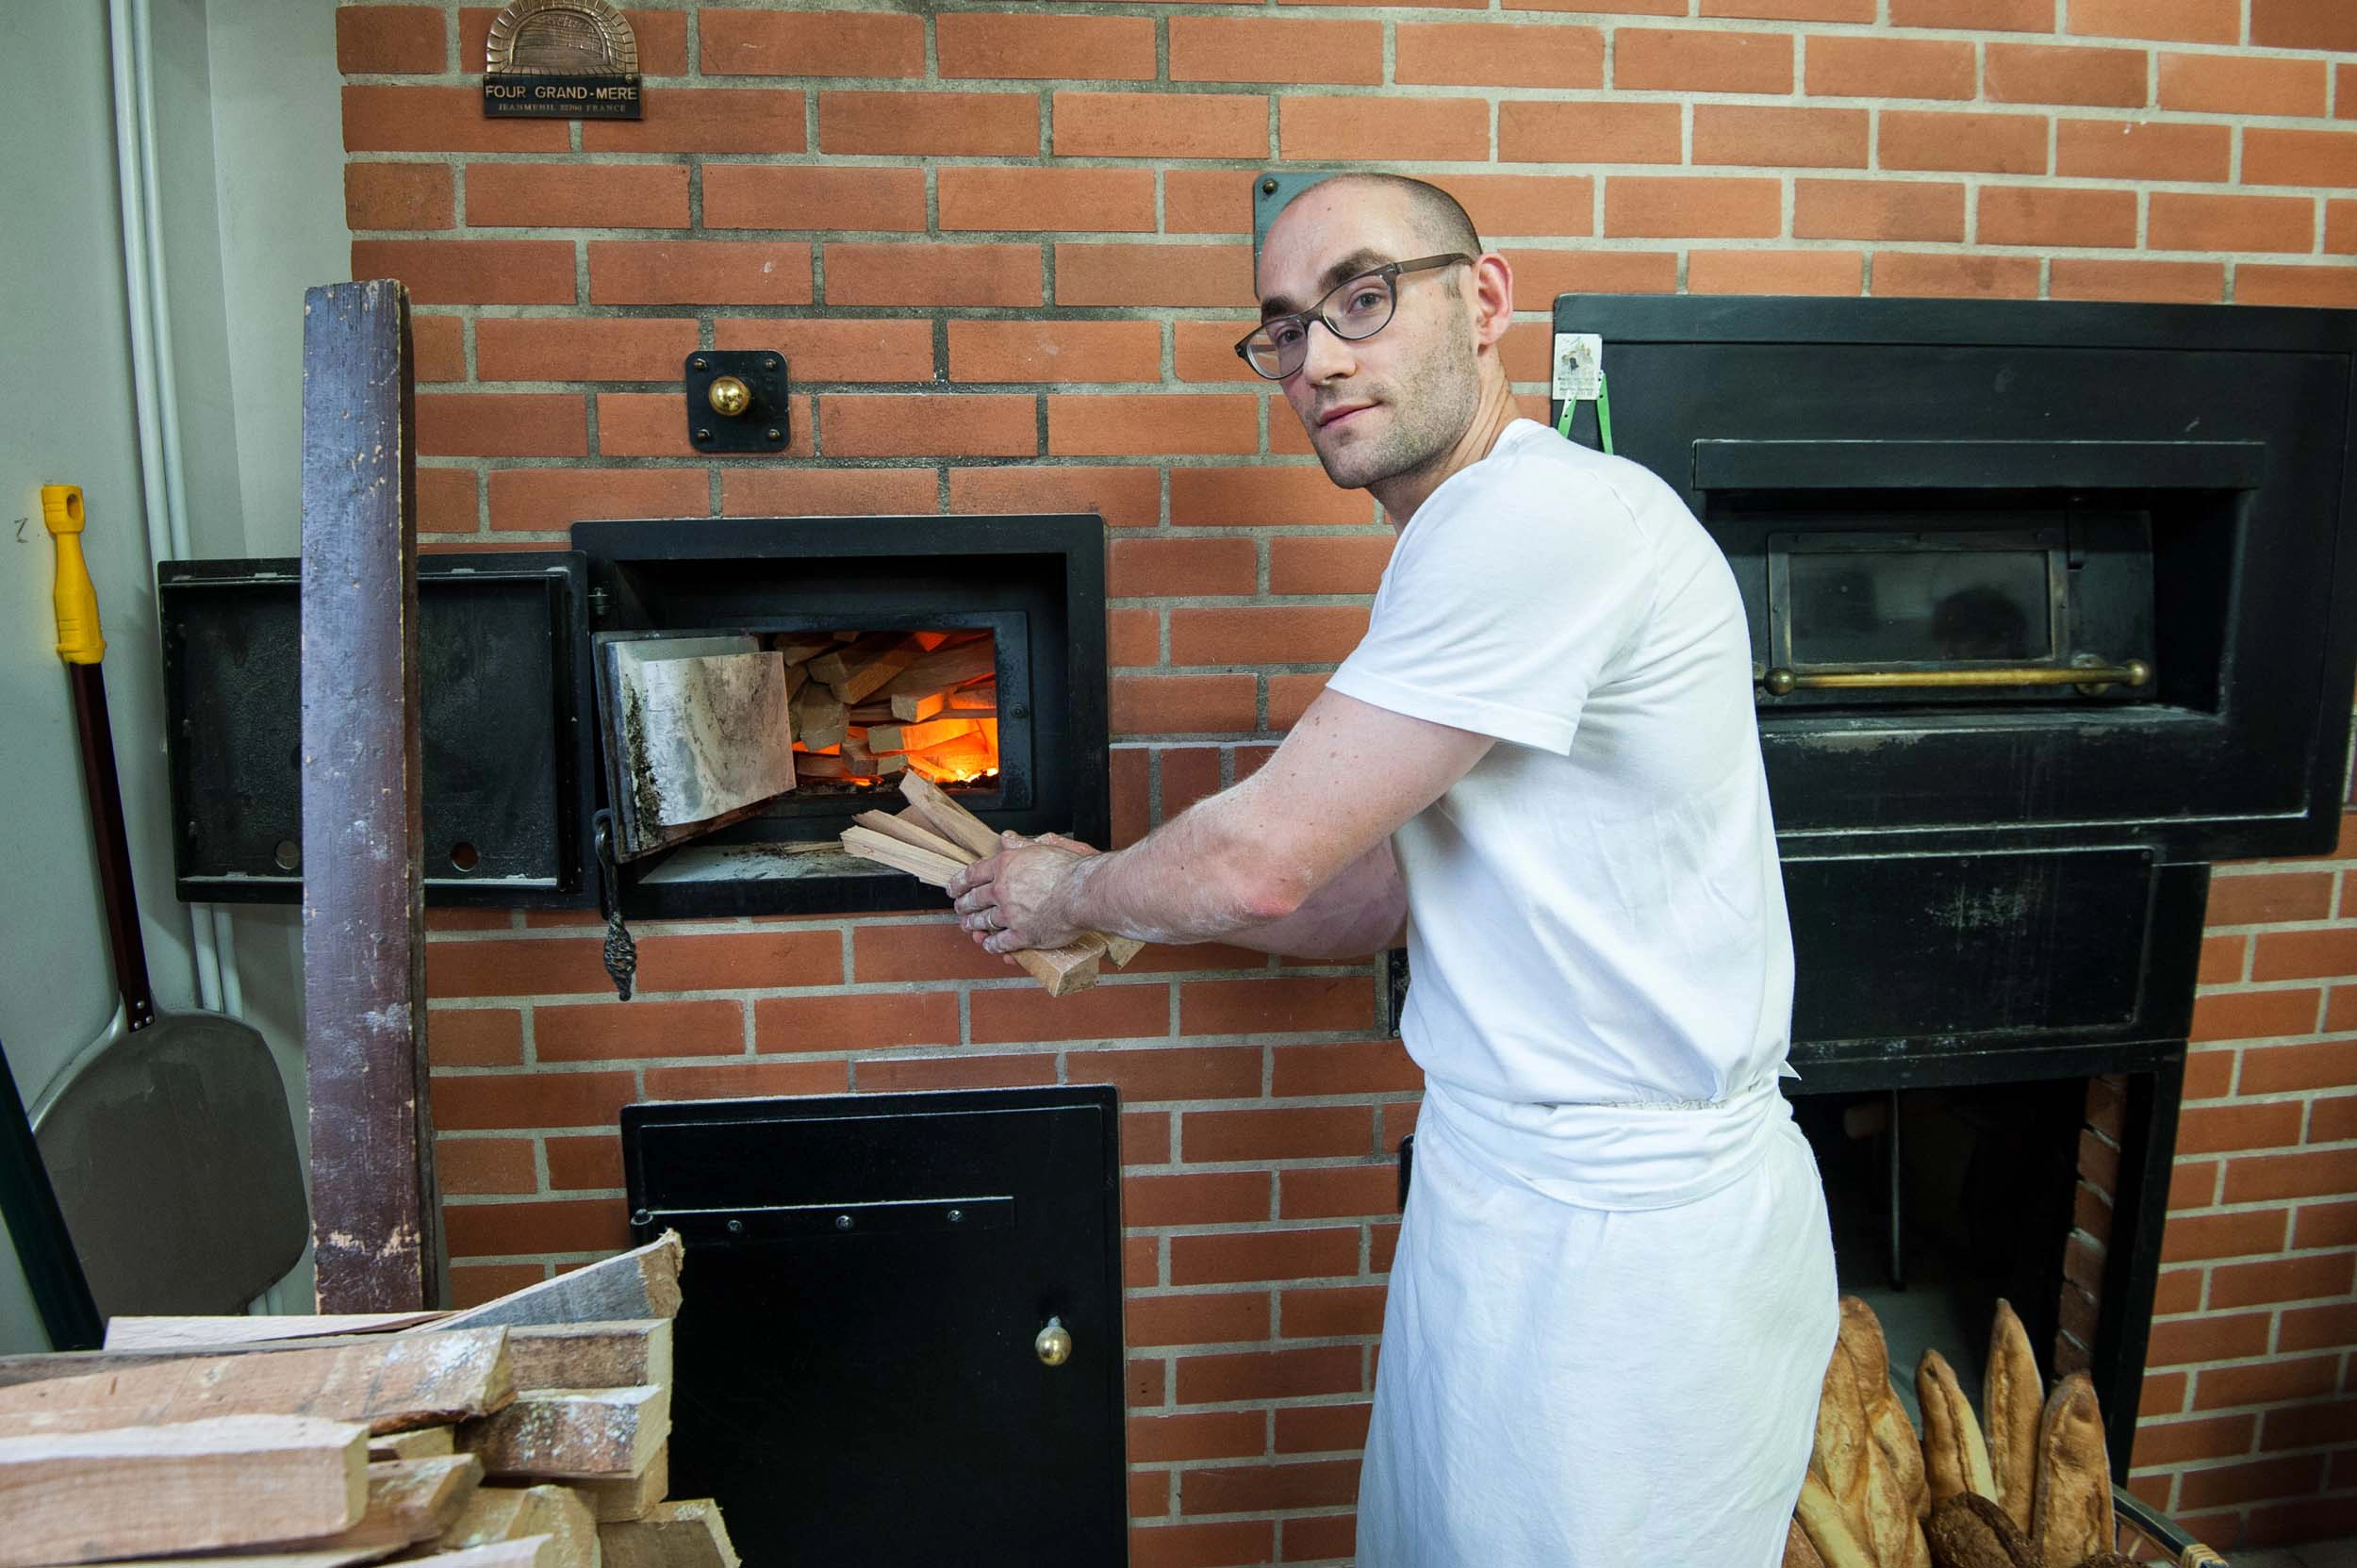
{"x": 1444, "y": 392}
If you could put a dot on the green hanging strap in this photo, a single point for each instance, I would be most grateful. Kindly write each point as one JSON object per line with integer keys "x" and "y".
{"x": 1603, "y": 413}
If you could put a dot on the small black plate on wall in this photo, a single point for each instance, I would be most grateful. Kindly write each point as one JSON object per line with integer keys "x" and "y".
{"x": 736, "y": 401}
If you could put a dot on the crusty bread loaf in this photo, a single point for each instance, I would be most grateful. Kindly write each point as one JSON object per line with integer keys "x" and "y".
{"x": 1798, "y": 1552}
{"x": 1968, "y": 1530}
{"x": 1955, "y": 1458}
{"x": 2012, "y": 1396}
{"x": 1828, "y": 1528}
{"x": 1867, "y": 1457}
{"x": 2072, "y": 1518}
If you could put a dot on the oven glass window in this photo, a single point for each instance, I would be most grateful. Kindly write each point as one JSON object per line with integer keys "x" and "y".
{"x": 1914, "y": 606}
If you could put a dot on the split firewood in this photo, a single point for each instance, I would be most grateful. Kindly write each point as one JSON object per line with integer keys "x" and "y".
{"x": 870, "y": 674}
{"x": 498, "y": 1513}
{"x": 628, "y": 1497}
{"x": 192, "y": 1486}
{"x": 409, "y": 1501}
{"x": 559, "y": 1435}
{"x": 530, "y": 1551}
{"x": 831, "y": 765}
{"x": 2072, "y": 1515}
{"x": 915, "y": 834}
{"x": 956, "y": 665}
{"x": 924, "y": 864}
{"x": 913, "y": 707}
{"x": 591, "y": 1355}
{"x": 972, "y": 834}
{"x": 212, "y": 1333}
{"x": 799, "y": 647}
{"x": 920, "y": 737}
{"x": 797, "y": 677}
{"x": 979, "y": 700}
{"x": 425, "y": 1442}
{"x": 389, "y": 1383}
{"x": 820, "y": 719}
{"x": 685, "y": 1534}
{"x": 640, "y": 1284}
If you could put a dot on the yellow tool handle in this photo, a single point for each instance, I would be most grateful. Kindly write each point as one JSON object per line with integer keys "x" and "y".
{"x": 79, "y": 640}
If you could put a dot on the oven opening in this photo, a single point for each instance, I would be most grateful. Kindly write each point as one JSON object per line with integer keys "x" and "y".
{"x": 1989, "y": 598}
{"x": 870, "y": 706}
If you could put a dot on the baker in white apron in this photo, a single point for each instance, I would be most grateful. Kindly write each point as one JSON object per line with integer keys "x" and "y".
{"x": 1613, "y": 1299}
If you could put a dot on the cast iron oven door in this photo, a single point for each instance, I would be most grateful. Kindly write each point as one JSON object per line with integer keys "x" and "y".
{"x": 879, "y": 1288}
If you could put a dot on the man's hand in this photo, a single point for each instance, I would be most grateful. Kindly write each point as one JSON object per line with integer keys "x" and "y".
{"x": 1017, "y": 897}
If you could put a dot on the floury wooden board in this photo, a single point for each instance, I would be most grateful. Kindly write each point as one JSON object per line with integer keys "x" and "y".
{"x": 698, "y": 732}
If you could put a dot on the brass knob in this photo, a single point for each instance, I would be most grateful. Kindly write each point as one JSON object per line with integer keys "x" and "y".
{"x": 729, "y": 397}
{"x": 1054, "y": 1345}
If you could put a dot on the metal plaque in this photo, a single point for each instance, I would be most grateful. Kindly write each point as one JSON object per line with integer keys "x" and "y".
{"x": 573, "y": 59}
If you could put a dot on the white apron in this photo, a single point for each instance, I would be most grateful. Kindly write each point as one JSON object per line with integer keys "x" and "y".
{"x": 1604, "y": 1338}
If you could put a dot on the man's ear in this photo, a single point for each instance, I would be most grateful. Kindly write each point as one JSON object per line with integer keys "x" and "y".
{"x": 1492, "y": 284}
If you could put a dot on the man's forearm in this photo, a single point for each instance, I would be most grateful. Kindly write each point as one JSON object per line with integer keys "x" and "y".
{"x": 1364, "y": 910}
{"x": 1195, "y": 878}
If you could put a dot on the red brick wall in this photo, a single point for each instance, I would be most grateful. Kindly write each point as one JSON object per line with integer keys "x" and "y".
{"x": 1005, "y": 250}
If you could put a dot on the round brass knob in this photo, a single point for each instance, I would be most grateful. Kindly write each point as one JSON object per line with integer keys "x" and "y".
{"x": 1779, "y": 681}
{"x": 1054, "y": 1345}
{"x": 729, "y": 397}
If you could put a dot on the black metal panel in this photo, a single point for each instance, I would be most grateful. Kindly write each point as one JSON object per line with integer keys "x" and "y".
{"x": 2228, "y": 427}
{"x": 856, "y": 1378}
{"x": 1044, "y": 574}
{"x": 500, "y": 693}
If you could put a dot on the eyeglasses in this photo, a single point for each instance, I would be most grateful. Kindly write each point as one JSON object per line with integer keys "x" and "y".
{"x": 1360, "y": 308}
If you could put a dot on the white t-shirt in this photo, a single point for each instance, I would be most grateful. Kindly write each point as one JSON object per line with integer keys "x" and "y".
{"x": 1595, "y": 911}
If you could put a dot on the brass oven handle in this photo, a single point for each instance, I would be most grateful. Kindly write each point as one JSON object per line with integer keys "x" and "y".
{"x": 1053, "y": 1345}
{"x": 2135, "y": 673}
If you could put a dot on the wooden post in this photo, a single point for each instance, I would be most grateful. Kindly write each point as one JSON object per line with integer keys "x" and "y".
{"x": 376, "y": 1219}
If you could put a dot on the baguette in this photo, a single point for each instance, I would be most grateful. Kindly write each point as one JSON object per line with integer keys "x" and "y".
{"x": 1955, "y": 1457}
{"x": 2010, "y": 1399}
{"x": 1968, "y": 1530}
{"x": 1867, "y": 1457}
{"x": 1798, "y": 1552}
{"x": 1826, "y": 1527}
{"x": 2072, "y": 1518}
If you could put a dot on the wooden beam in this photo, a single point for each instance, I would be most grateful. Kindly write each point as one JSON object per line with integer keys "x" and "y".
{"x": 134, "y": 1490}
{"x": 376, "y": 1213}
{"x": 628, "y": 1497}
{"x": 643, "y": 1282}
{"x": 592, "y": 1355}
{"x": 687, "y": 1534}
{"x": 425, "y": 1443}
{"x": 212, "y": 1333}
{"x": 409, "y": 1501}
{"x": 561, "y": 1434}
{"x": 498, "y": 1513}
{"x": 389, "y": 1385}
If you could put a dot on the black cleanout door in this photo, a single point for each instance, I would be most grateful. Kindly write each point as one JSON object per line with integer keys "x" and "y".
{"x": 862, "y": 1376}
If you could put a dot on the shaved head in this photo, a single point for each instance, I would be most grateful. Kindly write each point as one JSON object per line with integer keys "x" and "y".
{"x": 1439, "y": 222}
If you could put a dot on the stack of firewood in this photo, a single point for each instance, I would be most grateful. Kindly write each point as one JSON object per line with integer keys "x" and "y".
{"x": 528, "y": 1432}
{"x": 867, "y": 706}
{"x": 2026, "y": 1484}
{"x": 935, "y": 838}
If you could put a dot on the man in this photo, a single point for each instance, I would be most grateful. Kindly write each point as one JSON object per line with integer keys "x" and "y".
{"x": 1613, "y": 1299}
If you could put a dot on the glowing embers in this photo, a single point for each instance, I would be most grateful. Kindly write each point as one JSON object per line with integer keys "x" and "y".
{"x": 869, "y": 705}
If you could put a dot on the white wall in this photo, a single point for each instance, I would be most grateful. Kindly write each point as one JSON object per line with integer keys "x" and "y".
{"x": 249, "y": 137}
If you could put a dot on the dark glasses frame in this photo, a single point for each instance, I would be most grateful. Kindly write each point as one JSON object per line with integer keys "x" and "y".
{"x": 1390, "y": 273}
